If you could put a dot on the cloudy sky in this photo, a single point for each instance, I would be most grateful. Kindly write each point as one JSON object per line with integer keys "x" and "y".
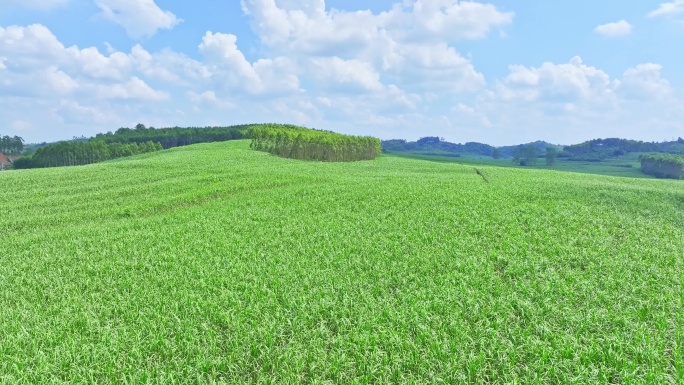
{"x": 500, "y": 72}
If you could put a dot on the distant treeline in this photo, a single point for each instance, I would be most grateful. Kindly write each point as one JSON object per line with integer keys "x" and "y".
{"x": 437, "y": 145}
{"x": 308, "y": 144}
{"x": 77, "y": 153}
{"x": 125, "y": 142}
{"x": 592, "y": 151}
{"x": 11, "y": 145}
{"x": 663, "y": 165}
{"x": 175, "y": 136}
{"x": 600, "y": 149}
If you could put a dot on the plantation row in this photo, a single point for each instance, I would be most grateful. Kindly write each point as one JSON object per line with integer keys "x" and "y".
{"x": 306, "y": 144}
{"x": 663, "y": 165}
{"x": 79, "y": 153}
{"x": 174, "y": 136}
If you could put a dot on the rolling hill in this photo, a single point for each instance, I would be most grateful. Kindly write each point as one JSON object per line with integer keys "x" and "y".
{"x": 214, "y": 263}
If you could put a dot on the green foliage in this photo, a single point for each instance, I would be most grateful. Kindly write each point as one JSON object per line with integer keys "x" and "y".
{"x": 11, "y": 145}
{"x": 307, "y": 144}
{"x": 597, "y": 150}
{"x": 76, "y": 153}
{"x": 663, "y": 165}
{"x": 238, "y": 268}
{"x": 496, "y": 153}
{"x": 551, "y": 154}
{"x": 436, "y": 145}
{"x": 526, "y": 155}
{"x": 125, "y": 142}
{"x": 174, "y": 136}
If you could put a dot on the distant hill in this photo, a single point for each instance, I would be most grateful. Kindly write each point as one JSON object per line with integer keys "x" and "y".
{"x": 507, "y": 151}
{"x": 433, "y": 144}
{"x": 597, "y": 150}
{"x": 594, "y": 150}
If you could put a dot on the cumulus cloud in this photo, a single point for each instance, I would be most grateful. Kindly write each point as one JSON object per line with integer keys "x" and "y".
{"x": 410, "y": 42}
{"x": 564, "y": 83}
{"x": 616, "y": 29}
{"x": 228, "y": 68}
{"x": 383, "y": 73}
{"x": 645, "y": 82}
{"x": 563, "y": 101}
{"x": 668, "y": 9}
{"x": 138, "y": 17}
{"x": 345, "y": 75}
{"x": 433, "y": 66}
{"x": 39, "y": 64}
{"x": 222, "y": 52}
{"x": 444, "y": 19}
{"x": 308, "y": 27}
{"x": 209, "y": 98}
{"x": 134, "y": 88}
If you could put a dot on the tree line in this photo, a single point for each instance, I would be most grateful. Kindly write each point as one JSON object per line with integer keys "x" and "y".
{"x": 528, "y": 155}
{"x": 308, "y": 144}
{"x": 125, "y": 142}
{"x": 77, "y": 153}
{"x": 597, "y": 150}
{"x": 11, "y": 145}
{"x": 174, "y": 136}
{"x": 663, "y": 165}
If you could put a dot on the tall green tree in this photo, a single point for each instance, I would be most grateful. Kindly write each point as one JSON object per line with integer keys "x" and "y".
{"x": 551, "y": 155}
{"x": 525, "y": 155}
{"x": 11, "y": 145}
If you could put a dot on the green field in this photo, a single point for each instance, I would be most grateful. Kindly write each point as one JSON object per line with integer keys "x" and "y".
{"x": 626, "y": 165}
{"x": 214, "y": 263}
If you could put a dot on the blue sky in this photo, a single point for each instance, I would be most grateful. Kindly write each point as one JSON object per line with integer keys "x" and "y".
{"x": 499, "y": 72}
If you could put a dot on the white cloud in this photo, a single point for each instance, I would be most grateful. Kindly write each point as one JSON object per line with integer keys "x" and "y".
{"x": 557, "y": 83}
{"x": 227, "y": 60}
{"x": 59, "y": 81}
{"x": 617, "y": 29}
{"x": 138, "y": 17}
{"x": 134, "y": 88}
{"x": 410, "y": 42}
{"x": 169, "y": 66}
{"x": 444, "y": 19}
{"x": 26, "y": 48}
{"x": 345, "y": 75}
{"x": 668, "y": 9}
{"x": 645, "y": 82}
{"x": 228, "y": 69}
{"x": 432, "y": 66}
{"x": 469, "y": 113}
{"x": 209, "y": 98}
{"x": 563, "y": 102}
{"x": 389, "y": 73}
{"x": 38, "y": 64}
{"x": 306, "y": 26}
{"x": 73, "y": 112}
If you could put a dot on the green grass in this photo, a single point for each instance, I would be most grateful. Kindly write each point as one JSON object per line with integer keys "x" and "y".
{"x": 625, "y": 166}
{"x": 217, "y": 264}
